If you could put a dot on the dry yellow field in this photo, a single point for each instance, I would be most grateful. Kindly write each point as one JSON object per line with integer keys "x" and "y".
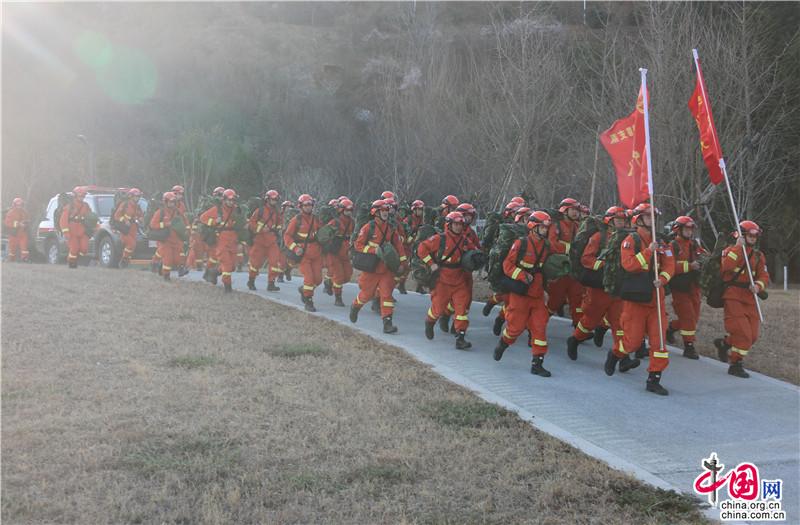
{"x": 129, "y": 400}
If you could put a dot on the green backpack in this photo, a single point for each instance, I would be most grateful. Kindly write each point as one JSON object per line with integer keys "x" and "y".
{"x": 491, "y": 229}
{"x": 362, "y": 218}
{"x": 507, "y": 234}
{"x": 326, "y": 214}
{"x": 613, "y": 272}
{"x": 590, "y": 226}
{"x": 711, "y": 282}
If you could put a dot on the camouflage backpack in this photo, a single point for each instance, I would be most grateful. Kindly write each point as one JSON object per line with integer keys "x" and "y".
{"x": 362, "y": 218}
{"x": 326, "y": 214}
{"x": 613, "y": 272}
{"x": 491, "y": 229}
{"x": 508, "y": 233}
{"x": 590, "y": 226}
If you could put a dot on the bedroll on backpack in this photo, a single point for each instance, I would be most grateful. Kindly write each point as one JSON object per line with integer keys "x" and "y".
{"x": 326, "y": 236}
{"x": 507, "y": 234}
{"x": 326, "y": 214}
{"x": 362, "y": 217}
{"x": 425, "y": 232}
{"x": 557, "y": 265}
{"x": 585, "y": 276}
{"x": 473, "y": 260}
{"x": 490, "y": 230}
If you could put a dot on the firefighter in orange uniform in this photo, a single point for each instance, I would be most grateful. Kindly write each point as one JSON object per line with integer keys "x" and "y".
{"x": 561, "y": 235}
{"x": 599, "y": 306}
{"x": 179, "y": 192}
{"x": 327, "y": 279}
{"x": 198, "y": 249}
{"x": 266, "y": 224}
{"x": 223, "y": 219}
{"x": 412, "y": 223}
{"x": 285, "y": 263}
{"x": 442, "y": 252}
{"x": 373, "y": 235}
{"x": 685, "y": 285}
{"x": 16, "y": 223}
{"x": 508, "y": 216}
{"x": 742, "y": 323}
{"x": 449, "y": 203}
{"x": 301, "y": 238}
{"x": 641, "y": 288}
{"x": 339, "y": 260}
{"x": 528, "y": 310}
{"x": 72, "y": 226}
{"x": 212, "y": 268}
{"x": 169, "y": 249}
{"x": 129, "y": 213}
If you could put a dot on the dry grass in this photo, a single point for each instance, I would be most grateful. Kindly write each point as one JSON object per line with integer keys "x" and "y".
{"x": 774, "y": 354}
{"x": 129, "y": 400}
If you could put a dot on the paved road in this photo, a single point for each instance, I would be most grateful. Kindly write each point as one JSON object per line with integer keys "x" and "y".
{"x": 661, "y": 440}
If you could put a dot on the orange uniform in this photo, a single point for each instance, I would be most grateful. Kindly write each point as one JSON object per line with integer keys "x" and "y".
{"x": 381, "y": 279}
{"x": 129, "y": 212}
{"x": 73, "y": 229}
{"x": 265, "y": 224}
{"x": 564, "y": 288}
{"x": 640, "y": 318}
{"x": 339, "y": 261}
{"x": 223, "y": 219}
{"x": 16, "y": 223}
{"x": 198, "y": 249}
{"x": 452, "y": 286}
{"x": 301, "y": 232}
{"x": 741, "y": 316}
{"x": 685, "y": 289}
{"x": 529, "y": 310}
{"x": 169, "y": 250}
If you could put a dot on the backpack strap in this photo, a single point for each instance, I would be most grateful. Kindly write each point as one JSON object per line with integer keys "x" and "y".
{"x": 442, "y": 243}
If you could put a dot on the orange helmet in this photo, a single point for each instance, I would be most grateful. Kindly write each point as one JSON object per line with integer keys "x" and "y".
{"x": 387, "y": 195}
{"x": 390, "y": 202}
{"x": 684, "y": 221}
{"x": 750, "y": 227}
{"x": 538, "y": 218}
{"x": 511, "y": 208}
{"x": 451, "y": 201}
{"x": 467, "y": 209}
{"x": 379, "y": 204}
{"x": 177, "y": 189}
{"x": 614, "y": 212}
{"x": 454, "y": 216}
{"x": 568, "y": 203}
{"x": 169, "y": 197}
{"x": 305, "y": 199}
{"x": 642, "y": 209}
{"x": 287, "y": 204}
{"x": 522, "y": 214}
{"x": 342, "y": 197}
{"x": 272, "y": 195}
{"x": 585, "y": 209}
{"x": 345, "y": 204}
{"x": 229, "y": 194}
{"x": 217, "y": 191}
{"x": 519, "y": 200}
{"x": 417, "y": 204}
{"x": 79, "y": 191}
{"x": 17, "y": 202}
{"x": 333, "y": 202}
{"x": 135, "y": 192}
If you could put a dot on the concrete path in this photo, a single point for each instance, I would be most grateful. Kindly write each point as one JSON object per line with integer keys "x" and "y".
{"x": 661, "y": 440}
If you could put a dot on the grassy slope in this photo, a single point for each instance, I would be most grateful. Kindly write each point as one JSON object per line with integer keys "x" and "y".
{"x": 126, "y": 399}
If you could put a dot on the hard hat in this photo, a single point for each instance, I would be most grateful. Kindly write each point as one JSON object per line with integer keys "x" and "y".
{"x": 387, "y": 195}
{"x": 750, "y": 227}
{"x": 305, "y": 199}
{"x": 454, "y": 216}
{"x": 379, "y": 204}
{"x": 229, "y": 194}
{"x": 519, "y": 200}
{"x": 614, "y": 212}
{"x": 417, "y": 204}
{"x": 345, "y": 204}
{"x": 272, "y": 194}
{"x": 17, "y": 202}
{"x": 522, "y": 214}
{"x": 450, "y": 201}
{"x": 539, "y": 218}
{"x": 643, "y": 208}
{"x": 169, "y": 196}
{"x": 217, "y": 191}
{"x": 287, "y": 204}
{"x": 568, "y": 203}
{"x": 135, "y": 192}
{"x": 684, "y": 221}
{"x": 466, "y": 208}
{"x": 177, "y": 189}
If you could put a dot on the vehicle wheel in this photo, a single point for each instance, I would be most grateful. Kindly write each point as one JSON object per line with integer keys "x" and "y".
{"x": 51, "y": 251}
{"x": 106, "y": 254}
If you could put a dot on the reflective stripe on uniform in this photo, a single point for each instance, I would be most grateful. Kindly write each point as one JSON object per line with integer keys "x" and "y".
{"x": 462, "y": 318}
{"x": 642, "y": 260}
{"x": 426, "y": 259}
{"x": 516, "y": 273}
{"x": 430, "y": 313}
{"x": 740, "y": 351}
{"x": 526, "y": 264}
{"x": 665, "y": 275}
{"x": 365, "y": 250}
{"x": 621, "y": 348}
{"x": 761, "y": 284}
{"x": 402, "y": 258}
{"x": 733, "y": 256}
{"x": 226, "y": 274}
{"x": 688, "y": 332}
{"x": 661, "y": 355}
{"x": 597, "y": 265}
{"x": 292, "y": 246}
{"x": 685, "y": 266}
{"x": 275, "y": 269}
{"x": 307, "y": 287}
{"x": 388, "y": 304}
{"x": 582, "y": 329}
{"x": 620, "y": 333}
{"x": 337, "y": 285}
{"x": 539, "y": 342}
{"x": 567, "y": 245}
{"x": 167, "y": 268}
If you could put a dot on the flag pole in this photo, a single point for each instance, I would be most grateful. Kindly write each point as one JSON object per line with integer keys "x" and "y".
{"x": 645, "y": 104}
{"x": 728, "y": 187}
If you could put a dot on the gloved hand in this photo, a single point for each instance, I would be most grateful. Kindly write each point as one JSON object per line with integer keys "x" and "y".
{"x": 298, "y": 252}
{"x": 528, "y": 278}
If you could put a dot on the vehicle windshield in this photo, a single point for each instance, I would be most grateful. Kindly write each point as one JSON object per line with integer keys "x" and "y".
{"x": 103, "y": 205}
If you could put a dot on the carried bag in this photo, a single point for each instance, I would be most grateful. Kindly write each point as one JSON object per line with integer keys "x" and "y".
{"x": 388, "y": 254}
{"x": 158, "y": 234}
{"x": 557, "y": 265}
{"x": 473, "y": 260}
{"x": 365, "y": 262}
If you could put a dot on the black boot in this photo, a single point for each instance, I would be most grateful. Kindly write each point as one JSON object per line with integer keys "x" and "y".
{"x": 420, "y": 289}
{"x": 388, "y": 327}
{"x": 376, "y": 305}
{"x": 642, "y": 352}
{"x": 498, "y": 325}
{"x": 429, "y": 329}
{"x": 722, "y": 349}
{"x": 309, "y": 304}
{"x": 461, "y": 343}
{"x": 572, "y": 347}
{"x": 338, "y": 300}
{"x": 737, "y": 369}
{"x": 328, "y": 286}
{"x": 689, "y": 352}
{"x": 499, "y": 349}
{"x": 560, "y": 311}
{"x": 654, "y": 384}
{"x": 599, "y": 334}
{"x": 72, "y": 265}
{"x": 166, "y": 276}
{"x": 536, "y": 367}
{"x": 354, "y": 312}
{"x": 251, "y": 283}
{"x": 402, "y": 288}
{"x": 444, "y": 323}
{"x": 671, "y": 334}
{"x": 487, "y": 309}
{"x": 271, "y": 286}
{"x": 228, "y": 287}
{"x": 280, "y": 278}
{"x": 205, "y": 275}
{"x": 453, "y": 328}
{"x": 611, "y": 363}
{"x": 288, "y": 275}
{"x": 123, "y": 263}
{"x": 213, "y": 275}
{"x": 154, "y": 266}
{"x": 182, "y": 271}
{"x": 626, "y": 363}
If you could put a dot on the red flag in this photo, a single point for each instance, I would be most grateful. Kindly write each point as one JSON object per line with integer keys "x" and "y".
{"x": 625, "y": 143}
{"x": 701, "y": 111}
